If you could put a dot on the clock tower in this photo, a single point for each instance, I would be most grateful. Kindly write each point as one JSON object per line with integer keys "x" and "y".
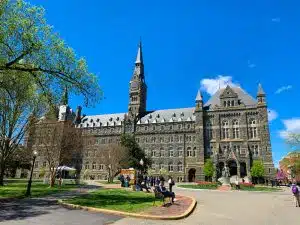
{"x": 137, "y": 88}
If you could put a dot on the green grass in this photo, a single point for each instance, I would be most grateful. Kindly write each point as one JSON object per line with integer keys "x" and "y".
{"x": 266, "y": 189}
{"x": 115, "y": 199}
{"x": 17, "y": 189}
{"x": 196, "y": 186}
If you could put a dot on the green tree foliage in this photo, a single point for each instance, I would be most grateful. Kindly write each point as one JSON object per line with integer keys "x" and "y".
{"x": 208, "y": 168}
{"x": 257, "y": 169}
{"x": 135, "y": 153}
{"x": 30, "y": 48}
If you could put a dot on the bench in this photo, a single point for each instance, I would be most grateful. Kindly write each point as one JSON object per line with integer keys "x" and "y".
{"x": 160, "y": 196}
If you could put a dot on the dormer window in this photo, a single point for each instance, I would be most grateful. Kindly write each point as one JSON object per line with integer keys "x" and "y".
{"x": 91, "y": 120}
{"x": 110, "y": 119}
{"x": 98, "y": 120}
{"x": 174, "y": 114}
{"x": 150, "y": 117}
{"x": 157, "y": 115}
{"x": 118, "y": 119}
{"x": 181, "y": 114}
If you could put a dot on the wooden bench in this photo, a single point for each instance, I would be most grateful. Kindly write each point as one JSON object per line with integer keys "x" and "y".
{"x": 160, "y": 196}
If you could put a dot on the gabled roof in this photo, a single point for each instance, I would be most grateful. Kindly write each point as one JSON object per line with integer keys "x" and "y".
{"x": 103, "y": 120}
{"x": 243, "y": 96}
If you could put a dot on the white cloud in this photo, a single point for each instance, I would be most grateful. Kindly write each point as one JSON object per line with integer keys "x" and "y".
{"x": 211, "y": 86}
{"x": 250, "y": 64}
{"x": 291, "y": 126}
{"x": 276, "y": 20}
{"x": 283, "y": 88}
{"x": 272, "y": 115}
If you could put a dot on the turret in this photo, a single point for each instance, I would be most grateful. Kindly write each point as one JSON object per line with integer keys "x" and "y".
{"x": 261, "y": 96}
{"x": 199, "y": 101}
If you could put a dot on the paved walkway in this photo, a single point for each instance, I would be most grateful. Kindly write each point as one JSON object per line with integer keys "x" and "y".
{"x": 46, "y": 211}
{"x": 234, "y": 208}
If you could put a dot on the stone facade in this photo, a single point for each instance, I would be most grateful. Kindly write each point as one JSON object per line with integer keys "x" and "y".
{"x": 231, "y": 128}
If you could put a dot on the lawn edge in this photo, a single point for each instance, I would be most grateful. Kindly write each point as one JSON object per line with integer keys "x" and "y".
{"x": 200, "y": 189}
{"x": 137, "y": 215}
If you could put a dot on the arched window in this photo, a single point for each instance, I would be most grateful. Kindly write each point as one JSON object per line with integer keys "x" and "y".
{"x": 232, "y": 103}
{"x": 180, "y": 167}
{"x": 180, "y": 152}
{"x": 236, "y": 129}
{"x": 94, "y": 166}
{"x": 225, "y": 129}
{"x": 171, "y": 152}
{"x": 189, "y": 152}
{"x": 228, "y": 103}
{"x": 162, "y": 152}
{"x": 171, "y": 167}
{"x": 194, "y": 151}
{"x": 87, "y": 165}
{"x": 209, "y": 134}
{"x": 224, "y": 103}
{"x": 253, "y": 129}
{"x": 161, "y": 166}
{"x": 153, "y": 153}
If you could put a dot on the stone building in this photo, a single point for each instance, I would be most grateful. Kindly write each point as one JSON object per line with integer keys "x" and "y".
{"x": 231, "y": 128}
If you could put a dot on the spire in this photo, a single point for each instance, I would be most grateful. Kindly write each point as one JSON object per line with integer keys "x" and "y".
{"x": 139, "y": 57}
{"x": 199, "y": 96}
{"x": 260, "y": 91}
{"x": 65, "y": 98}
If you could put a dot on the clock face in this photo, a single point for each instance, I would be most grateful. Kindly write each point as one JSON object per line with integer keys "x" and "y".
{"x": 134, "y": 85}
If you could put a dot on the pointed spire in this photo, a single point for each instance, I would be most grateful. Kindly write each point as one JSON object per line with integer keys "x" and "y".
{"x": 199, "y": 96}
{"x": 139, "y": 57}
{"x": 260, "y": 91}
{"x": 65, "y": 97}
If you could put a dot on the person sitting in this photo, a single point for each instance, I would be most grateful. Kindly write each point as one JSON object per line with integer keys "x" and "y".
{"x": 166, "y": 193}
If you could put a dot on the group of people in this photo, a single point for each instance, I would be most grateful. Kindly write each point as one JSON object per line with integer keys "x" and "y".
{"x": 147, "y": 182}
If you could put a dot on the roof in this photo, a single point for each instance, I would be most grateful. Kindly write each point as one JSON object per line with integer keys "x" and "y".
{"x": 139, "y": 57}
{"x": 199, "y": 96}
{"x": 103, "y": 120}
{"x": 260, "y": 91}
{"x": 243, "y": 96}
{"x": 169, "y": 115}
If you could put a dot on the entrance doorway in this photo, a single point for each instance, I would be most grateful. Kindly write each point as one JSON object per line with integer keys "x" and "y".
{"x": 243, "y": 169}
{"x": 192, "y": 175}
{"x": 220, "y": 168}
{"x": 232, "y": 168}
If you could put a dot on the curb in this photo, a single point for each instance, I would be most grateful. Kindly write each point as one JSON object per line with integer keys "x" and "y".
{"x": 120, "y": 213}
{"x": 237, "y": 191}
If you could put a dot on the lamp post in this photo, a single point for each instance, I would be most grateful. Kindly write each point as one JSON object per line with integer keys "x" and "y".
{"x": 28, "y": 192}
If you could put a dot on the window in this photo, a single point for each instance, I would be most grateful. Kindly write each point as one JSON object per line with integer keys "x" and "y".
{"x": 255, "y": 150}
{"x": 209, "y": 134}
{"x": 188, "y": 126}
{"x": 179, "y": 126}
{"x": 161, "y": 166}
{"x": 225, "y": 149}
{"x": 44, "y": 164}
{"x": 171, "y": 152}
{"x": 162, "y": 152}
{"x": 236, "y": 129}
{"x": 153, "y": 153}
{"x": 270, "y": 170}
{"x": 180, "y": 152}
{"x": 171, "y": 167}
{"x": 228, "y": 103}
{"x": 87, "y": 165}
{"x": 253, "y": 129}
{"x": 101, "y": 167}
{"x": 232, "y": 103}
{"x": 171, "y": 139}
{"x": 36, "y": 165}
{"x": 146, "y": 128}
{"x": 94, "y": 166}
{"x": 189, "y": 152}
{"x": 236, "y": 149}
{"x": 224, "y": 103}
{"x": 194, "y": 151}
{"x": 225, "y": 129}
{"x": 161, "y": 140}
{"x": 171, "y": 127}
{"x": 180, "y": 167}
{"x": 153, "y": 128}
{"x": 180, "y": 139}
{"x": 162, "y": 127}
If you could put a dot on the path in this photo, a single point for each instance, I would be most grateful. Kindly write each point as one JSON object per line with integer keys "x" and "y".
{"x": 234, "y": 208}
{"x": 46, "y": 211}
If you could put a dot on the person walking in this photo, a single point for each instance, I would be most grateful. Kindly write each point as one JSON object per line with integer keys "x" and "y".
{"x": 295, "y": 191}
{"x": 171, "y": 183}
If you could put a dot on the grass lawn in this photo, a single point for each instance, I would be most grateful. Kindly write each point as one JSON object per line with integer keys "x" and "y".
{"x": 115, "y": 199}
{"x": 17, "y": 189}
{"x": 195, "y": 186}
{"x": 260, "y": 188}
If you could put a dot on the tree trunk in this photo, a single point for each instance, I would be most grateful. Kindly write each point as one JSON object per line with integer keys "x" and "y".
{"x": 2, "y": 169}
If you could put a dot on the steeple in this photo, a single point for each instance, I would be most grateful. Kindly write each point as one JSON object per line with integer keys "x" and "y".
{"x": 260, "y": 91}
{"x": 261, "y": 95}
{"x": 199, "y": 101}
{"x": 65, "y": 97}
{"x": 138, "y": 87}
{"x": 139, "y": 57}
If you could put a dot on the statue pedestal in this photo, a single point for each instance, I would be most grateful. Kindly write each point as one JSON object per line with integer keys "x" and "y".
{"x": 225, "y": 181}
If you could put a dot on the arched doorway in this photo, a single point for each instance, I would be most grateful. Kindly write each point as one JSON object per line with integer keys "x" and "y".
{"x": 192, "y": 175}
{"x": 232, "y": 167}
{"x": 243, "y": 169}
{"x": 220, "y": 168}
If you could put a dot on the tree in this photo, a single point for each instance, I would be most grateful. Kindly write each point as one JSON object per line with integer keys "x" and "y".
{"x": 135, "y": 153}
{"x": 20, "y": 104}
{"x": 114, "y": 157}
{"x": 257, "y": 169}
{"x": 58, "y": 143}
{"x": 208, "y": 168}
{"x": 30, "y": 48}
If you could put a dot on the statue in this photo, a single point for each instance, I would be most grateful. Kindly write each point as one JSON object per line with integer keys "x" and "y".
{"x": 225, "y": 179}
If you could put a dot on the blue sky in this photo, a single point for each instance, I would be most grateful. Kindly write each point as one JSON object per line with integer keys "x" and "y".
{"x": 186, "y": 44}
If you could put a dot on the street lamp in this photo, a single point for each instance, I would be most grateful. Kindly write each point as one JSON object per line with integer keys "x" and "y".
{"x": 28, "y": 192}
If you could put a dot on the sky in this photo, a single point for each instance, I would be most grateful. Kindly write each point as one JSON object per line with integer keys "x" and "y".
{"x": 188, "y": 45}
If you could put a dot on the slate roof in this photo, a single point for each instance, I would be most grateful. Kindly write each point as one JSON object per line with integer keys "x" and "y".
{"x": 169, "y": 115}
{"x": 243, "y": 96}
{"x": 103, "y": 120}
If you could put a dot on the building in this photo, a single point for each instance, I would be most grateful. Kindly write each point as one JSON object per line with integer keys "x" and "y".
{"x": 231, "y": 128}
